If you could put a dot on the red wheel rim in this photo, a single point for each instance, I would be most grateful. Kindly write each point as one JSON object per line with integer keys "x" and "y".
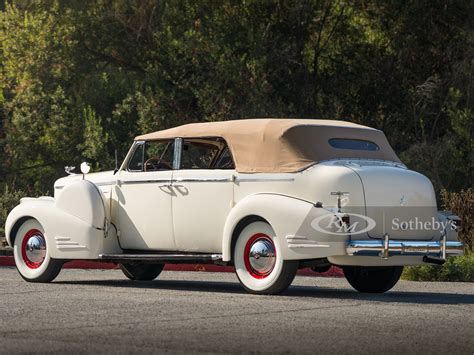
{"x": 255, "y": 240}
{"x": 26, "y": 244}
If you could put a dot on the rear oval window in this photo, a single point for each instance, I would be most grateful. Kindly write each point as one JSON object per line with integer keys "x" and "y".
{"x": 353, "y": 144}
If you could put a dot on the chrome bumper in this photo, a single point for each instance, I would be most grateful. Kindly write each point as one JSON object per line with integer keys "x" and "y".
{"x": 386, "y": 248}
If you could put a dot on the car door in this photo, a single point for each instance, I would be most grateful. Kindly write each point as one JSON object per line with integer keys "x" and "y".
{"x": 203, "y": 194}
{"x": 143, "y": 198}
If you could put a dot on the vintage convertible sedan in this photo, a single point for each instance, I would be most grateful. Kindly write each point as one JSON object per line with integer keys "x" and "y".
{"x": 267, "y": 196}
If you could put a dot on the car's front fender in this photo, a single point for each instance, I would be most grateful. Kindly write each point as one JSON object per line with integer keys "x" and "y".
{"x": 67, "y": 236}
{"x": 291, "y": 220}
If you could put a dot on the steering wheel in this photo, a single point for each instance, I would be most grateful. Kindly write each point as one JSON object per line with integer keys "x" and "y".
{"x": 154, "y": 163}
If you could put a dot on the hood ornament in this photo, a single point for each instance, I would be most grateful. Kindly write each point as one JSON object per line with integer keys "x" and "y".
{"x": 85, "y": 168}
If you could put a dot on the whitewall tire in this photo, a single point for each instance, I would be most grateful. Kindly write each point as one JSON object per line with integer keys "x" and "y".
{"x": 258, "y": 261}
{"x": 31, "y": 255}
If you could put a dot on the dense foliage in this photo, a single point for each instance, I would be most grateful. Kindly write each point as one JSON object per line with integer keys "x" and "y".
{"x": 8, "y": 200}
{"x": 79, "y": 79}
{"x": 462, "y": 203}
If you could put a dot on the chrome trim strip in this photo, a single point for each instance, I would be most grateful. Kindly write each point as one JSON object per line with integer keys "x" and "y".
{"x": 239, "y": 179}
{"x": 368, "y": 161}
{"x": 132, "y": 182}
{"x": 66, "y": 243}
{"x": 69, "y": 247}
{"x": 162, "y": 257}
{"x": 298, "y": 241}
{"x": 399, "y": 247}
{"x": 292, "y": 246}
{"x": 62, "y": 238}
{"x": 202, "y": 180}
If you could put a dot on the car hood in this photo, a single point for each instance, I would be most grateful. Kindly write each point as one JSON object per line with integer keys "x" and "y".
{"x": 99, "y": 178}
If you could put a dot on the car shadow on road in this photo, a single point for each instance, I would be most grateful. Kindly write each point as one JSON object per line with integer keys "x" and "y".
{"x": 415, "y": 297}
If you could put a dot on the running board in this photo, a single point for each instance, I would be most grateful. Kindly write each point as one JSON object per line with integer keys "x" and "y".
{"x": 163, "y": 258}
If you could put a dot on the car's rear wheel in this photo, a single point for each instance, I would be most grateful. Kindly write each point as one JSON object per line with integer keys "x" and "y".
{"x": 258, "y": 261}
{"x": 31, "y": 255}
{"x": 372, "y": 279}
{"x": 141, "y": 272}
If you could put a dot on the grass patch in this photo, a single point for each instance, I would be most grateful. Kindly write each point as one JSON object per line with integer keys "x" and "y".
{"x": 459, "y": 268}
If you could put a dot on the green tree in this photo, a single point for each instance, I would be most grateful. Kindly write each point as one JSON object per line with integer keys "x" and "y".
{"x": 79, "y": 80}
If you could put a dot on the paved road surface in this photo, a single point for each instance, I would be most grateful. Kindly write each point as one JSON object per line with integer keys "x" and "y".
{"x": 97, "y": 310}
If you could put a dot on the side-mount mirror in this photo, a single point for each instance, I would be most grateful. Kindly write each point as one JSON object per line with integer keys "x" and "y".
{"x": 85, "y": 168}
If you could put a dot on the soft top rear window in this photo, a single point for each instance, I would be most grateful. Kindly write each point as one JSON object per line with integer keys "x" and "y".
{"x": 353, "y": 144}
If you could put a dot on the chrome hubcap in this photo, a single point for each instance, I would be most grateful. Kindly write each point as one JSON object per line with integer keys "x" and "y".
{"x": 262, "y": 256}
{"x": 35, "y": 249}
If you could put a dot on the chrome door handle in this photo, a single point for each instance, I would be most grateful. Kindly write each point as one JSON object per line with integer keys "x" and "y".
{"x": 165, "y": 185}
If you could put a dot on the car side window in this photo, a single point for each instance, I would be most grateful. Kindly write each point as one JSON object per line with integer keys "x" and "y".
{"x": 198, "y": 155}
{"x": 224, "y": 160}
{"x": 152, "y": 156}
{"x": 136, "y": 161}
{"x": 202, "y": 153}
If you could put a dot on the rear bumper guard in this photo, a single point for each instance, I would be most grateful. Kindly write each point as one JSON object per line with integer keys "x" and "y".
{"x": 386, "y": 248}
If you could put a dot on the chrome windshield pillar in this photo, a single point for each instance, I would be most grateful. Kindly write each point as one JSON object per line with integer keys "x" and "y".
{"x": 178, "y": 148}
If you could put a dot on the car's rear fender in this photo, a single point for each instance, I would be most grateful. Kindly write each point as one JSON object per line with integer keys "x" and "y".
{"x": 291, "y": 220}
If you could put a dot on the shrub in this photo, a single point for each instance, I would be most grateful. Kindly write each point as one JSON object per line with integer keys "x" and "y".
{"x": 462, "y": 204}
{"x": 8, "y": 200}
{"x": 460, "y": 268}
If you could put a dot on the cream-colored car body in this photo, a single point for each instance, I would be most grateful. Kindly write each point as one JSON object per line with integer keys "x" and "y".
{"x": 200, "y": 210}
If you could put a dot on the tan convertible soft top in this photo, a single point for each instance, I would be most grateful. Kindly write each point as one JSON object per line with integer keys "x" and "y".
{"x": 283, "y": 145}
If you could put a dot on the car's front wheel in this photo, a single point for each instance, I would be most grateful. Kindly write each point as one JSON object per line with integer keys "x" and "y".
{"x": 372, "y": 279}
{"x": 141, "y": 272}
{"x": 258, "y": 261}
{"x": 31, "y": 254}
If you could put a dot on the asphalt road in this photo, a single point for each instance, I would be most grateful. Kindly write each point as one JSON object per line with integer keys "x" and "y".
{"x": 100, "y": 311}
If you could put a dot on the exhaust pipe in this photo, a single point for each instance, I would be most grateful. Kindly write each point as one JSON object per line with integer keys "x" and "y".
{"x": 430, "y": 260}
